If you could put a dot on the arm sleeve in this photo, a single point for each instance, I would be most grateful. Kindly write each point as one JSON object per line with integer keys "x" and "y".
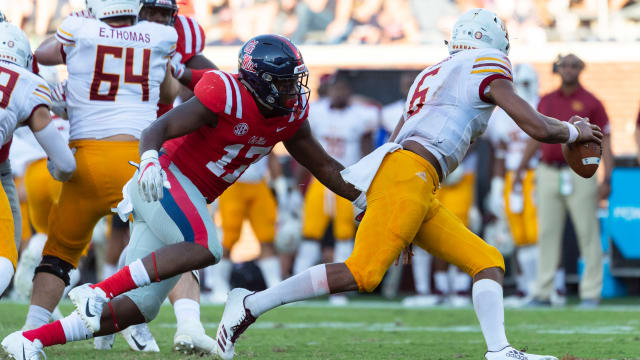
{"x": 214, "y": 91}
{"x": 56, "y": 148}
{"x": 489, "y": 65}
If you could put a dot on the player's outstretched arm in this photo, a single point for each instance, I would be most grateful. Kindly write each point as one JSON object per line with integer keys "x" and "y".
{"x": 53, "y": 144}
{"x": 181, "y": 120}
{"x": 540, "y": 127}
{"x": 310, "y": 154}
{"x": 49, "y": 53}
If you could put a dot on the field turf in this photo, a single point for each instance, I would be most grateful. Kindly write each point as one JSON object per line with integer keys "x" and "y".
{"x": 384, "y": 330}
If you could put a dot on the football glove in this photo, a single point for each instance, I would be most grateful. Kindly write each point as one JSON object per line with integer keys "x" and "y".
{"x": 59, "y": 98}
{"x": 151, "y": 178}
{"x": 177, "y": 67}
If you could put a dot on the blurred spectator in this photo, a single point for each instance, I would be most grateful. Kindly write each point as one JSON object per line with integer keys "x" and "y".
{"x": 332, "y": 17}
{"x": 560, "y": 190}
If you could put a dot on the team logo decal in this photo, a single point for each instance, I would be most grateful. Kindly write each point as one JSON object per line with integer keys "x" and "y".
{"x": 478, "y": 35}
{"x": 241, "y": 129}
{"x": 248, "y": 64}
{"x": 10, "y": 43}
{"x": 250, "y": 47}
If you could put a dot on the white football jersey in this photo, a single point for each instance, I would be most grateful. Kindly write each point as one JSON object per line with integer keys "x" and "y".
{"x": 22, "y": 92}
{"x": 114, "y": 75}
{"x": 446, "y": 109}
{"x": 256, "y": 172}
{"x": 340, "y": 131}
{"x": 504, "y": 130}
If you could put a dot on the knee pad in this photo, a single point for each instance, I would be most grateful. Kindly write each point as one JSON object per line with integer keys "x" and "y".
{"x": 55, "y": 266}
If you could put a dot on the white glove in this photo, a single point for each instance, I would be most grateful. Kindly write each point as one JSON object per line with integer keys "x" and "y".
{"x": 59, "y": 98}
{"x": 150, "y": 177}
{"x": 289, "y": 233}
{"x": 361, "y": 201}
{"x": 177, "y": 67}
{"x": 57, "y": 174}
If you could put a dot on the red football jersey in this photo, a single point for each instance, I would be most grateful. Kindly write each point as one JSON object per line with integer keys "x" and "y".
{"x": 214, "y": 158}
{"x": 191, "y": 38}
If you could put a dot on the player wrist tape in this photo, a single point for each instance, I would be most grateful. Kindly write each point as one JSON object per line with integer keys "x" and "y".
{"x": 361, "y": 201}
{"x": 573, "y": 132}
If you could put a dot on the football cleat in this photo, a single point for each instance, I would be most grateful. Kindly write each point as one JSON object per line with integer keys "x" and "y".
{"x": 192, "y": 339}
{"x": 139, "y": 338}
{"x": 104, "y": 342}
{"x": 235, "y": 320}
{"x": 89, "y": 303}
{"x": 338, "y": 300}
{"x": 509, "y": 353}
{"x": 16, "y": 346}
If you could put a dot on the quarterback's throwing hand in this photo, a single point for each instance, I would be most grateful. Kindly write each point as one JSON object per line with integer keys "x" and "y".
{"x": 151, "y": 178}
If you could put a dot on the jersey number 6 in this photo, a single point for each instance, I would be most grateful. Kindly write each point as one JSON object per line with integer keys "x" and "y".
{"x": 99, "y": 76}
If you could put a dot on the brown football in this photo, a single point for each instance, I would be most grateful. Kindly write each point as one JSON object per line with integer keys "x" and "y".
{"x": 583, "y": 158}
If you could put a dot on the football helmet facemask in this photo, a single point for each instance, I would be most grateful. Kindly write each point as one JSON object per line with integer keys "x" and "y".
{"x": 170, "y": 6}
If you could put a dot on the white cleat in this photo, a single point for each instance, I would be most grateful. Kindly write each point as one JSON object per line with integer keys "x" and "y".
{"x": 104, "y": 342}
{"x": 89, "y": 303}
{"x": 235, "y": 320}
{"x": 338, "y": 300}
{"x": 192, "y": 339}
{"x": 139, "y": 338}
{"x": 509, "y": 353}
{"x": 16, "y": 346}
{"x": 459, "y": 301}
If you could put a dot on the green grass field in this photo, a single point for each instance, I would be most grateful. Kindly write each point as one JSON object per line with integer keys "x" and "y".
{"x": 385, "y": 330}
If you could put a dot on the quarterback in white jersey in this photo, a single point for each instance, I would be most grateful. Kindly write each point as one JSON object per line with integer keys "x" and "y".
{"x": 116, "y": 66}
{"x": 447, "y": 108}
{"x": 25, "y": 100}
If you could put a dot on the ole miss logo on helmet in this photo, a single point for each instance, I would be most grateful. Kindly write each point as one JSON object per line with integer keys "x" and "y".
{"x": 248, "y": 64}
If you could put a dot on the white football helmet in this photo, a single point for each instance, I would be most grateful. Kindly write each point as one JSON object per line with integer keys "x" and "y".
{"x": 526, "y": 82}
{"x": 103, "y": 9}
{"x": 479, "y": 29}
{"x": 14, "y": 45}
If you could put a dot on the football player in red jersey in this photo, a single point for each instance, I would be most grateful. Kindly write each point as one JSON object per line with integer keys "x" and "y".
{"x": 188, "y": 64}
{"x": 189, "y": 157}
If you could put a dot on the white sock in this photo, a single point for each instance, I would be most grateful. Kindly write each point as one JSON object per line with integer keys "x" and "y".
{"x": 108, "y": 270}
{"x": 461, "y": 281}
{"x": 342, "y": 250}
{"x": 139, "y": 273}
{"x": 308, "y": 284}
{"x": 36, "y": 317}
{"x": 528, "y": 261}
{"x": 442, "y": 282}
{"x": 6, "y": 273}
{"x": 74, "y": 328}
{"x": 220, "y": 276}
{"x": 271, "y": 271}
{"x": 309, "y": 253}
{"x": 122, "y": 259}
{"x": 558, "y": 281}
{"x": 487, "y": 302}
{"x": 187, "y": 311}
{"x": 421, "y": 266}
{"x": 521, "y": 283}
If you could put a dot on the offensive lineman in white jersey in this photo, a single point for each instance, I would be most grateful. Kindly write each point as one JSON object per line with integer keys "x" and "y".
{"x": 25, "y": 100}
{"x": 116, "y": 67}
{"x": 448, "y": 107}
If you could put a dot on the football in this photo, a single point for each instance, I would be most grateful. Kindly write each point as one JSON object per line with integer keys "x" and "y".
{"x": 583, "y": 158}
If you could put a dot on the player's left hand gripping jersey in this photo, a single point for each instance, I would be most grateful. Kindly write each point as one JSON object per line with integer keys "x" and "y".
{"x": 22, "y": 93}
{"x": 340, "y": 130}
{"x": 114, "y": 75}
{"x": 214, "y": 158}
{"x": 446, "y": 109}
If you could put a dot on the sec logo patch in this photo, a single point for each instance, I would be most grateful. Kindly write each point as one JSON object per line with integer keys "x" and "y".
{"x": 241, "y": 129}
